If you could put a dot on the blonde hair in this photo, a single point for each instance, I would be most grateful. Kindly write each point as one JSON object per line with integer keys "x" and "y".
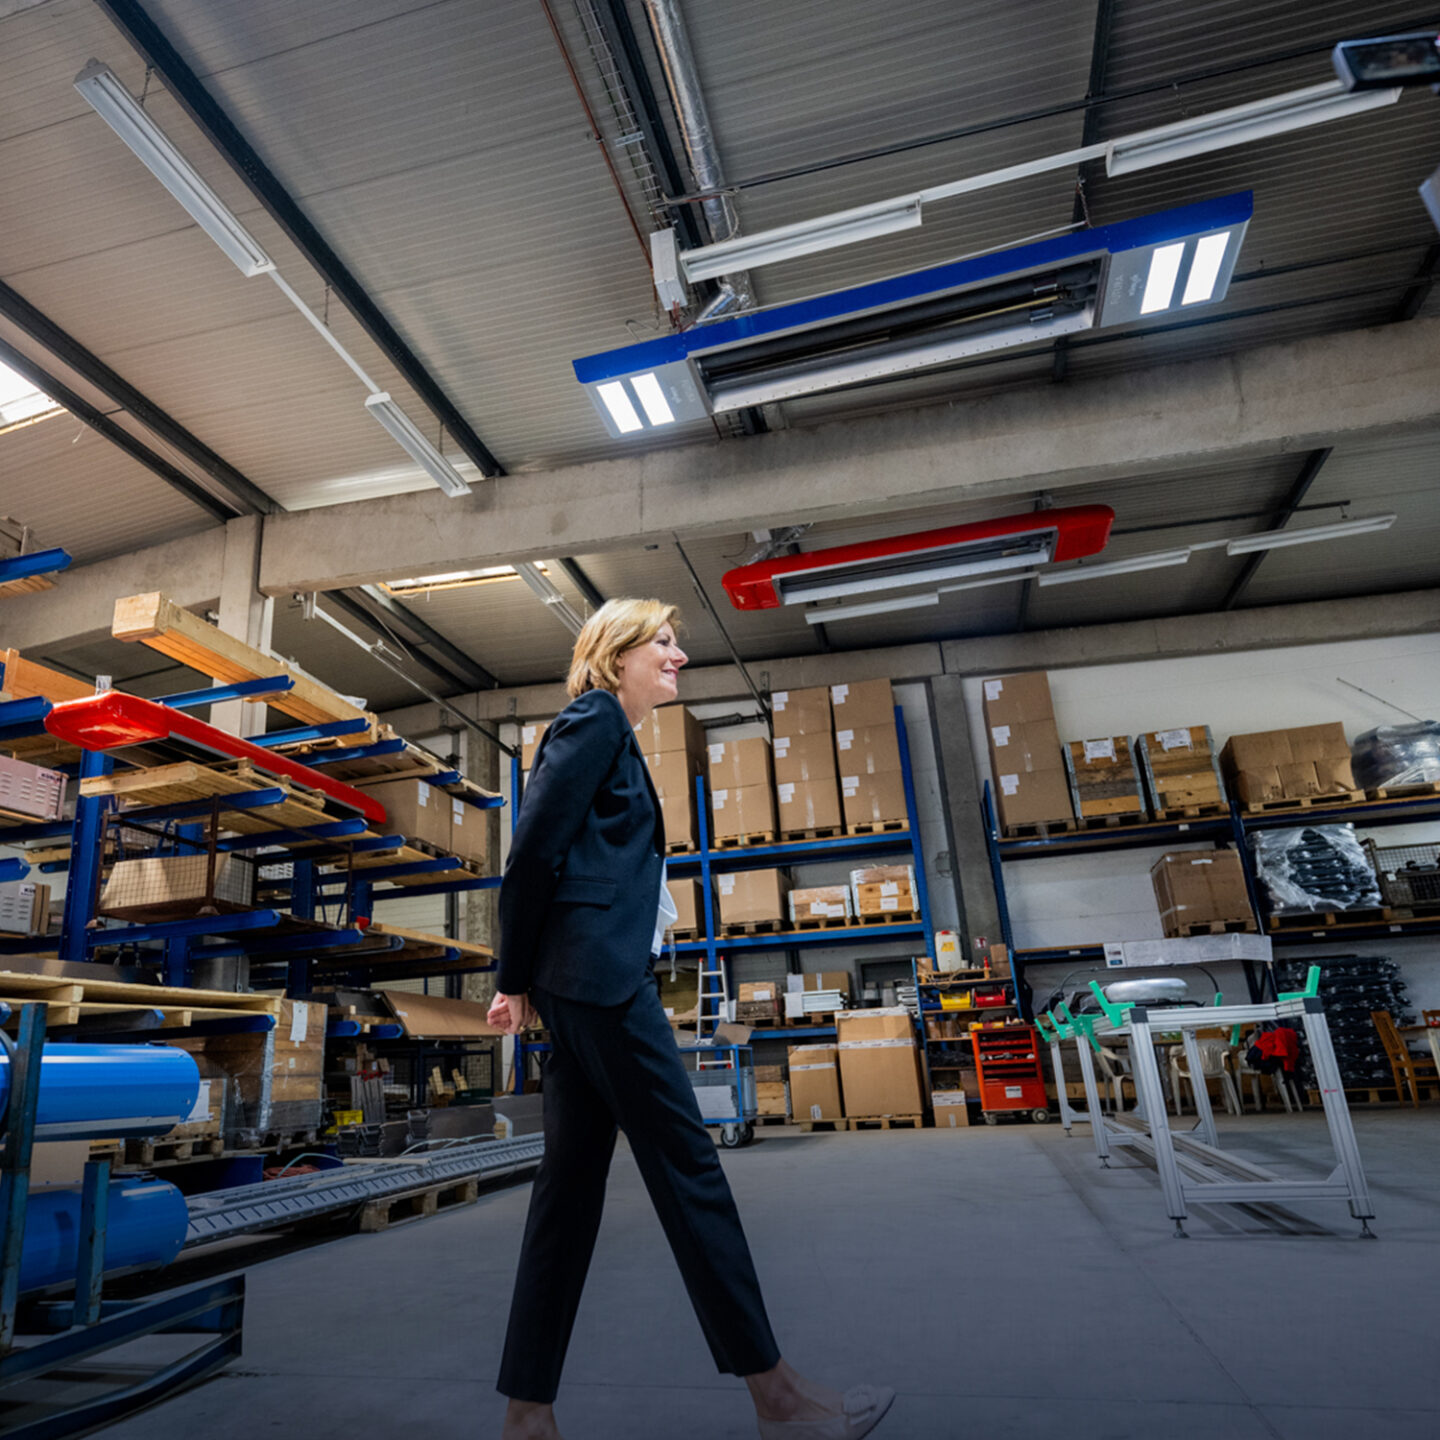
{"x": 617, "y": 626}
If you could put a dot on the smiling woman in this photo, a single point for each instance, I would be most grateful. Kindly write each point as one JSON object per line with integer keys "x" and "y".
{"x": 20, "y": 402}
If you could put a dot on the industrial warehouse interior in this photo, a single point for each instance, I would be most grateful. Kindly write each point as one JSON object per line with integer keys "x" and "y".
{"x": 1031, "y": 414}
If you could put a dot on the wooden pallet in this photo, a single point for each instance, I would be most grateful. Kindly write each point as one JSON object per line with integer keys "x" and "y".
{"x": 412, "y": 852}
{"x": 824, "y": 832}
{"x": 1215, "y": 927}
{"x": 894, "y": 917}
{"x": 1039, "y": 832}
{"x": 740, "y": 842}
{"x": 1213, "y": 810}
{"x": 882, "y": 1122}
{"x": 685, "y": 934}
{"x": 681, "y": 847}
{"x": 1302, "y": 802}
{"x": 390, "y": 1210}
{"x": 1111, "y": 822}
{"x": 823, "y": 922}
{"x": 1417, "y": 791}
{"x": 832, "y": 1125}
{"x": 878, "y": 827}
{"x": 752, "y": 927}
{"x": 147, "y": 1154}
{"x": 1332, "y": 919}
{"x": 69, "y": 999}
{"x": 772, "y": 1120}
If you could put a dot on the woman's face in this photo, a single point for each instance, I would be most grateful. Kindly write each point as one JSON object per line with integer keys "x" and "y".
{"x": 649, "y": 673}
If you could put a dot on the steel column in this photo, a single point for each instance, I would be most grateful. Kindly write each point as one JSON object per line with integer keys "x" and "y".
{"x": 88, "y": 836}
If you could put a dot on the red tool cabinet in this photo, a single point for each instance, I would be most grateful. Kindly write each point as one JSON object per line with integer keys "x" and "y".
{"x": 1007, "y": 1058}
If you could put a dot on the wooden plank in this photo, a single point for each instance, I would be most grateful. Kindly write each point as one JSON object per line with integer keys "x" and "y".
{"x": 421, "y": 939}
{"x": 155, "y": 620}
{"x": 23, "y": 983}
{"x": 30, "y": 585}
{"x": 24, "y": 679}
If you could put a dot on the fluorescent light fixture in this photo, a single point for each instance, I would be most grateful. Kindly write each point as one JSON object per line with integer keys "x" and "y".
{"x": 805, "y": 237}
{"x": 419, "y": 449}
{"x": 451, "y": 580}
{"x": 872, "y": 578}
{"x": 1158, "y": 561}
{"x": 1205, "y": 268}
{"x": 617, "y": 402}
{"x": 1277, "y": 539}
{"x": 911, "y": 602}
{"x": 120, "y": 110}
{"x": 1257, "y": 120}
{"x": 539, "y": 582}
{"x": 1160, "y": 282}
{"x": 652, "y": 400}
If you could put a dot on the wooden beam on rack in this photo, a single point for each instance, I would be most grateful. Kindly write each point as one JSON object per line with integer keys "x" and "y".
{"x": 24, "y": 678}
{"x": 155, "y": 620}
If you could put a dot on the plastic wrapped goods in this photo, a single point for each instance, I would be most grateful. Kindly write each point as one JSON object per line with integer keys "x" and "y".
{"x": 1397, "y": 755}
{"x": 1314, "y": 869}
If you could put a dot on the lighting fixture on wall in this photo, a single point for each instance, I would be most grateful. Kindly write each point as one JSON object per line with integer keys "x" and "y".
{"x": 118, "y": 108}
{"x": 419, "y": 449}
{"x": 1278, "y": 539}
{"x": 1025, "y": 295}
{"x": 452, "y": 580}
{"x": 1158, "y": 561}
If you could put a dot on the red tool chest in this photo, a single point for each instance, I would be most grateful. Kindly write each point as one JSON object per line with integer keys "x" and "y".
{"x": 1007, "y": 1058}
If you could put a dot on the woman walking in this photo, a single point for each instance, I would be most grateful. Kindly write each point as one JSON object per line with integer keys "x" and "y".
{"x": 583, "y": 912}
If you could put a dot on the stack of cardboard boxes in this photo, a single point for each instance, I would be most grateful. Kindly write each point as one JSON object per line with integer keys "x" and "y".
{"x": 1197, "y": 891}
{"x": 689, "y": 910}
{"x": 868, "y": 751}
{"x": 759, "y": 1003}
{"x": 420, "y": 811}
{"x": 1104, "y": 780}
{"x": 1181, "y": 770}
{"x": 752, "y": 898}
{"x": 742, "y": 790}
{"x": 531, "y": 734}
{"x": 672, "y": 741}
{"x": 1031, "y": 785}
{"x": 1289, "y": 764}
{"x": 815, "y": 1083}
{"x": 879, "y": 1064}
{"x": 884, "y": 891}
{"x": 772, "y": 1094}
{"x": 807, "y": 781}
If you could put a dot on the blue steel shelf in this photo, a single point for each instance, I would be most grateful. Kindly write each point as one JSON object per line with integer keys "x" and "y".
{"x": 796, "y": 1032}
{"x": 790, "y": 852}
{"x": 27, "y": 567}
{"x": 785, "y": 939}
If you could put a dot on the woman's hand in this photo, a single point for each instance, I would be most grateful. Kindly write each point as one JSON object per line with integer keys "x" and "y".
{"x": 510, "y": 1014}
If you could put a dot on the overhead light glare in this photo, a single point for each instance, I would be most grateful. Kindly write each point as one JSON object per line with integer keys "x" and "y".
{"x": 1158, "y": 561}
{"x": 119, "y": 109}
{"x": 622, "y": 412}
{"x": 1205, "y": 268}
{"x": 452, "y": 580}
{"x": 1160, "y": 283}
{"x": 419, "y": 449}
{"x": 652, "y": 399}
{"x": 1279, "y": 539}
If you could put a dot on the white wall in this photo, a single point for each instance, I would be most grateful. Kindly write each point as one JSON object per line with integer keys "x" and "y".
{"x": 1085, "y": 899}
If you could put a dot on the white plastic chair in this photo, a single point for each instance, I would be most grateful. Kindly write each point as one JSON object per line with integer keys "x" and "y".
{"x": 1214, "y": 1057}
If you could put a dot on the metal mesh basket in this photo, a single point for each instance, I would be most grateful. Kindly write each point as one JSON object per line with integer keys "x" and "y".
{"x": 1409, "y": 874}
{"x": 160, "y": 876}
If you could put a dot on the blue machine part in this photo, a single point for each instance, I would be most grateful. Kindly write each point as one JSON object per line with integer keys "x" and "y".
{"x": 145, "y": 1227}
{"x": 1155, "y": 265}
{"x": 89, "y": 1092}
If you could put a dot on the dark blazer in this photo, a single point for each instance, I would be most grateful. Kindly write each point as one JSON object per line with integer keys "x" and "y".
{"x": 581, "y": 887}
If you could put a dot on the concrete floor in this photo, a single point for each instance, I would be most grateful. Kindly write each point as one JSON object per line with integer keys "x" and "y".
{"x": 1001, "y": 1281}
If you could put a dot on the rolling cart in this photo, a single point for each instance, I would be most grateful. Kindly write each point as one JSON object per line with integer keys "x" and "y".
{"x": 1007, "y": 1058}
{"x": 724, "y": 1082}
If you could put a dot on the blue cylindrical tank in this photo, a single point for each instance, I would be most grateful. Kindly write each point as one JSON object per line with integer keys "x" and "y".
{"x": 146, "y": 1226}
{"x": 88, "y": 1092}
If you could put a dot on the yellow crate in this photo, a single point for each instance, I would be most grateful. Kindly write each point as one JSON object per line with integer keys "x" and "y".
{"x": 349, "y": 1117}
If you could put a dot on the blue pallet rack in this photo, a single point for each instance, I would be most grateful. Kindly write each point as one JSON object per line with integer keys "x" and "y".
{"x": 707, "y": 862}
{"x": 1232, "y": 828}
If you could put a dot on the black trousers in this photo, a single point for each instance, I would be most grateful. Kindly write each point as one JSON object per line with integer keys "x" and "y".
{"x": 617, "y": 1067}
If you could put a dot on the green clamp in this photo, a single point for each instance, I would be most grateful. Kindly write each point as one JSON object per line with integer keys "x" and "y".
{"x": 1312, "y": 987}
{"x": 1051, "y": 1034}
{"x": 1082, "y": 1025}
{"x": 1114, "y": 1012}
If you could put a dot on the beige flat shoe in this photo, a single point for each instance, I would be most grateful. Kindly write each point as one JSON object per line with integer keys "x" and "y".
{"x": 865, "y": 1407}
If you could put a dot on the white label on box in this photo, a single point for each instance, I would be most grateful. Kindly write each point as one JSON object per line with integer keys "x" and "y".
{"x": 669, "y": 1012}
{"x": 424, "y": 792}
{"x": 828, "y": 1065}
{"x": 993, "y": 689}
{"x": 527, "y": 734}
{"x": 202, "y": 1104}
{"x": 946, "y": 1097}
{"x": 844, "y": 739}
{"x": 1173, "y": 739}
{"x": 815, "y": 1112}
{"x": 875, "y": 1044}
{"x": 786, "y": 793}
{"x": 779, "y": 699}
{"x": 718, "y": 798}
{"x": 299, "y": 1022}
{"x": 292, "y": 1063}
{"x": 763, "y": 992}
{"x": 457, "y": 811}
{"x": 889, "y": 887}
{"x": 1206, "y": 861}
{"x": 794, "y": 1005}
{"x": 1009, "y": 784}
{"x": 836, "y": 911}
{"x": 1013, "y": 1092}
{"x": 1000, "y": 734}
{"x": 782, "y": 746}
{"x": 1099, "y": 750}
{"x": 838, "y": 694}
{"x": 819, "y": 907}
{"x": 726, "y": 883}
{"x": 849, "y": 786}
{"x": 717, "y": 753}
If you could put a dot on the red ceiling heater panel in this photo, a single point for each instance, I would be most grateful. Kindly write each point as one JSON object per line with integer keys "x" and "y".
{"x": 1012, "y": 542}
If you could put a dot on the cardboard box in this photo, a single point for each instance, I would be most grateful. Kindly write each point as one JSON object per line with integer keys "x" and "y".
{"x": 1104, "y": 779}
{"x": 531, "y": 734}
{"x": 760, "y": 1001}
{"x": 690, "y": 909}
{"x": 1024, "y": 749}
{"x": 820, "y": 902}
{"x": 1017, "y": 699}
{"x": 735, "y": 764}
{"x": 31, "y": 790}
{"x": 173, "y": 887}
{"x": 24, "y": 907}
{"x": 805, "y": 757}
{"x": 682, "y": 823}
{"x": 748, "y": 897}
{"x": 951, "y": 1111}
{"x": 1293, "y": 764}
{"x": 815, "y": 1083}
{"x": 879, "y": 1063}
{"x": 873, "y": 799}
{"x": 772, "y": 1098}
{"x": 469, "y": 830}
{"x": 870, "y": 750}
{"x": 1180, "y": 768}
{"x": 814, "y": 982}
{"x": 1198, "y": 888}
{"x": 886, "y": 880}
{"x": 673, "y": 772}
{"x": 999, "y": 957}
{"x": 752, "y": 990}
{"x": 414, "y": 809}
{"x": 809, "y": 805}
{"x": 668, "y": 729}
{"x": 800, "y": 712}
{"x": 869, "y": 702}
{"x": 749, "y": 810}
{"x": 1039, "y": 797}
